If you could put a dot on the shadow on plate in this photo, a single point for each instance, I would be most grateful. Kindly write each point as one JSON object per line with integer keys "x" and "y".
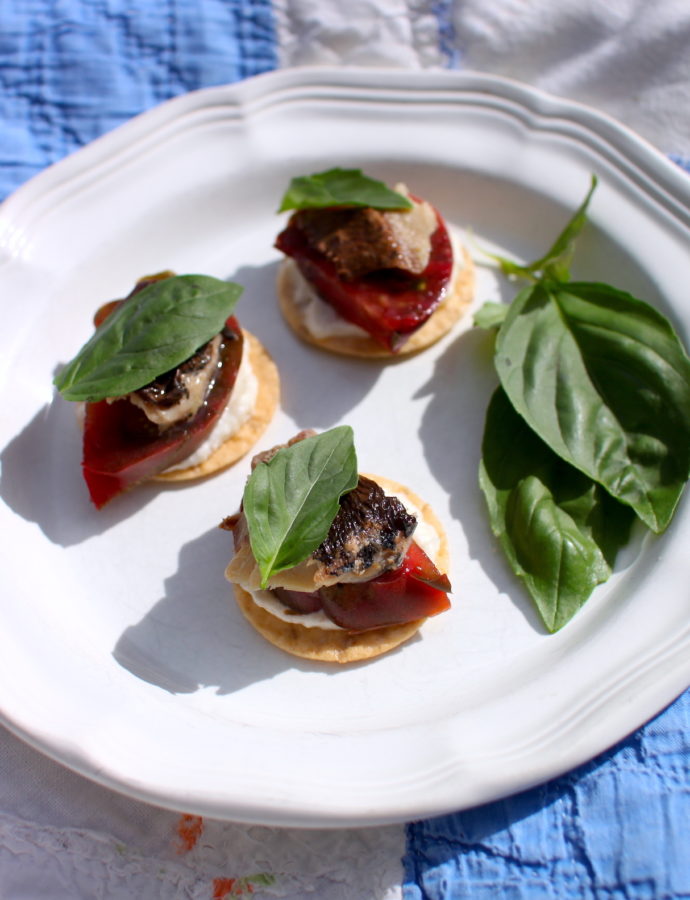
{"x": 318, "y": 388}
{"x": 41, "y": 476}
{"x": 196, "y": 637}
{"x": 460, "y": 387}
{"x": 41, "y": 480}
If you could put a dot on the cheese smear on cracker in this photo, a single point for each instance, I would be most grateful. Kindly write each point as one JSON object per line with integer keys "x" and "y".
{"x": 237, "y": 411}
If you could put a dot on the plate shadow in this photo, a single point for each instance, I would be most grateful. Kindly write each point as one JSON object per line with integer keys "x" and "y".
{"x": 46, "y": 486}
{"x": 196, "y": 637}
{"x": 318, "y": 388}
{"x": 460, "y": 388}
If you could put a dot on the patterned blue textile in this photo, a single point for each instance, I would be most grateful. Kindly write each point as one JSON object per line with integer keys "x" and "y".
{"x": 71, "y": 70}
{"x": 443, "y": 11}
{"x": 615, "y": 829}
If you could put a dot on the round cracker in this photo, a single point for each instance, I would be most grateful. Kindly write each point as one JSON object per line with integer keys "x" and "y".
{"x": 244, "y": 439}
{"x": 340, "y": 646}
{"x": 321, "y": 644}
{"x": 459, "y": 297}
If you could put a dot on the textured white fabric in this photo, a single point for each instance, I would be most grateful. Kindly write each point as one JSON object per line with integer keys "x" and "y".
{"x": 65, "y": 838}
{"x": 625, "y": 57}
{"x": 358, "y": 33}
{"x": 628, "y": 58}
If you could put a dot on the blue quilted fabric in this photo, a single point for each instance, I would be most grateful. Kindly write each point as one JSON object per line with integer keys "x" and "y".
{"x": 71, "y": 70}
{"x": 614, "y": 829}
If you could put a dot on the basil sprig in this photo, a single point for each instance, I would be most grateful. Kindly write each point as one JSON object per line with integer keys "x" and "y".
{"x": 155, "y": 330}
{"x": 559, "y": 529}
{"x": 290, "y": 502}
{"x": 555, "y": 264}
{"x": 590, "y": 428}
{"x": 341, "y": 187}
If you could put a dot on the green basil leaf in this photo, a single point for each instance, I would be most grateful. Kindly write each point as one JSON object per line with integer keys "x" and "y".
{"x": 490, "y": 315}
{"x": 556, "y": 262}
{"x": 264, "y": 879}
{"x": 604, "y": 381}
{"x": 290, "y": 502}
{"x": 155, "y": 330}
{"x": 559, "y": 530}
{"x": 341, "y": 187}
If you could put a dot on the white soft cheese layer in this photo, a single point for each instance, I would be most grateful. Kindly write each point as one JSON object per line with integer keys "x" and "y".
{"x": 195, "y": 384}
{"x": 236, "y": 413}
{"x": 319, "y": 317}
{"x": 425, "y": 535}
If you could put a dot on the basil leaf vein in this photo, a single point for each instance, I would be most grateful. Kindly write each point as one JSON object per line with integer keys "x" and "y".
{"x": 604, "y": 381}
{"x": 290, "y": 502}
{"x": 560, "y": 530}
{"x": 154, "y": 331}
{"x": 341, "y": 187}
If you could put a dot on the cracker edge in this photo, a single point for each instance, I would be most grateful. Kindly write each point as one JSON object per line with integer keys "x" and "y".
{"x": 331, "y": 646}
{"x": 440, "y": 322}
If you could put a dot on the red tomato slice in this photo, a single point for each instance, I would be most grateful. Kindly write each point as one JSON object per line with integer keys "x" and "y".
{"x": 413, "y": 591}
{"x": 390, "y": 305}
{"x": 420, "y": 567}
{"x": 122, "y": 448}
{"x": 299, "y": 601}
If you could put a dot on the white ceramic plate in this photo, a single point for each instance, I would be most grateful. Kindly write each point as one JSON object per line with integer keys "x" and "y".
{"x": 121, "y": 652}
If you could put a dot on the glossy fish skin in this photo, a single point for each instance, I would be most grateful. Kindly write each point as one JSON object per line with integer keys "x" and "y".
{"x": 370, "y": 534}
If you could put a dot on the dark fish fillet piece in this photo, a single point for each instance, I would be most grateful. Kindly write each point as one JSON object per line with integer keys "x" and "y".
{"x": 169, "y": 388}
{"x": 357, "y": 241}
{"x": 370, "y": 534}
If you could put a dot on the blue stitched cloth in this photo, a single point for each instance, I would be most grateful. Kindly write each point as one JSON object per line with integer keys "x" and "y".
{"x": 617, "y": 828}
{"x": 614, "y": 828}
{"x": 71, "y": 71}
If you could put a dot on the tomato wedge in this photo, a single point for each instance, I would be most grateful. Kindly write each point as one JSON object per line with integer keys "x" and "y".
{"x": 121, "y": 447}
{"x": 413, "y": 591}
{"x": 390, "y": 305}
{"x": 299, "y": 601}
